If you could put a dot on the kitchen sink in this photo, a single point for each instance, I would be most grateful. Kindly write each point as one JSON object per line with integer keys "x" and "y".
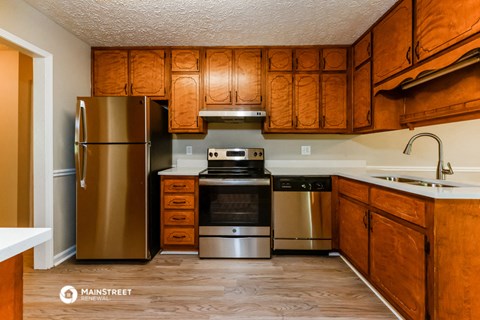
{"x": 418, "y": 182}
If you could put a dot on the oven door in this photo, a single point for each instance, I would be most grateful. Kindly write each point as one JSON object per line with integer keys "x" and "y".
{"x": 235, "y": 202}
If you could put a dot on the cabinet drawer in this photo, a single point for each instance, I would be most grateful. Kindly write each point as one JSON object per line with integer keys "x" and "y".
{"x": 179, "y": 185}
{"x": 403, "y": 206}
{"x": 183, "y": 236}
{"x": 183, "y": 201}
{"x": 180, "y": 218}
{"x": 355, "y": 190}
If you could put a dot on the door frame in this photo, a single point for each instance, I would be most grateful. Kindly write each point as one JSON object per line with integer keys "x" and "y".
{"x": 42, "y": 141}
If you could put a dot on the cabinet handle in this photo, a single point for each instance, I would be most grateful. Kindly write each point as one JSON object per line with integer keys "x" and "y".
{"x": 236, "y": 96}
{"x": 197, "y": 66}
{"x": 296, "y": 63}
{"x": 269, "y": 63}
{"x": 179, "y": 236}
{"x": 230, "y": 95}
{"x": 296, "y": 121}
{"x": 369, "y": 117}
{"x": 125, "y": 89}
{"x": 324, "y": 66}
{"x": 407, "y": 56}
{"x": 369, "y": 49}
{"x": 131, "y": 88}
{"x": 178, "y": 218}
{"x": 179, "y": 201}
{"x": 365, "y": 219}
{"x": 178, "y": 186}
{"x": 417, "y": 53}
{"x": 323, "y": 121}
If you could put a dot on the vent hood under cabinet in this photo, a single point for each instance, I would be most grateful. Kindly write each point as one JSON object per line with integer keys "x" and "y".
{"x": 233, "y": 115}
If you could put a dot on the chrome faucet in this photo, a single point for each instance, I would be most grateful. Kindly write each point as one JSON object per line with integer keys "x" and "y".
{"x": 441, "y": 170}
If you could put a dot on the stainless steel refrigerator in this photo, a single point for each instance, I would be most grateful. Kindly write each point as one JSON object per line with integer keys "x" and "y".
{"x": 120, "y": 145}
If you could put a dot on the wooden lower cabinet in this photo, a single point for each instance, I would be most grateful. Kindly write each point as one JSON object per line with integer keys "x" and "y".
{"x": 422, "y": 253}
{"x": 397, "y": 264}
{"x": 11, "y": 288}
{"x": 179, "y": 213}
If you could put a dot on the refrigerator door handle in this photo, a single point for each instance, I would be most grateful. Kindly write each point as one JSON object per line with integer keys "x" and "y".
{"x": 83, "y": 167}
{"x": 83, "y": 120}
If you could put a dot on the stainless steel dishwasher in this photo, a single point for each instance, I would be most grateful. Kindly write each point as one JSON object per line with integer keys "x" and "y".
{"x": 302, "y": 213}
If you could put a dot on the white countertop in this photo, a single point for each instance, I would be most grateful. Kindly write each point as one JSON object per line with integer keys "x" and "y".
{"x": 181, "y": 171}
{"x": 16, "y": 240}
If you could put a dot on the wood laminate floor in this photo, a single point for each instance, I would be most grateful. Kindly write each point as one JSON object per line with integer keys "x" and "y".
{"x": 183, "y": 287}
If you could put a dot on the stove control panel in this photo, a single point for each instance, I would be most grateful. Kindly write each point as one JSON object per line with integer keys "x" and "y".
{"x": 235, "y": 154}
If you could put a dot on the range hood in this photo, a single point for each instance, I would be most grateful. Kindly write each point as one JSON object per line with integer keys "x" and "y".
{"x": 233, "y": 115}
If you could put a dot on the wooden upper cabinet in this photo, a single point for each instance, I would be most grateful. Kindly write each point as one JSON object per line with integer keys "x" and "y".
{"x": 185, "y": 60}
{"x": 334, "y": 101}
{"x": 307, "y": 101}
{"x": 248, "y": 76}
{"x": 280, "y": 60}
{"x": 185, "y": 104}
{"x": 110, "y": 72}
{"x": 392, "y": 42}
{"x": 307, "y": 60}
{"x": 397, "y": 264}
{"x": 362, "y": 97}
{"x": 218, "y": 76}
{"x": 147, "y": 72}
{"x": 362, "y": 50}
{"x": 279, "y": 101}
{"x": 334, "y": 59}
{"x": 442, "y": 23}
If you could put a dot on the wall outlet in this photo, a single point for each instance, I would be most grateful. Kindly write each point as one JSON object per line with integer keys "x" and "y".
{"x": 306, "y": 151}
{"x": 189, "y": 150}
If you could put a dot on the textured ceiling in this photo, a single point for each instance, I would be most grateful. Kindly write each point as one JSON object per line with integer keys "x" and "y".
{"x": 214, "y": 22}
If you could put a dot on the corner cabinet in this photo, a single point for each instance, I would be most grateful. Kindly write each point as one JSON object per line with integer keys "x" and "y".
{"x": 185, "y": 100}
{"x": 179, "y": 213}
{"x": 128, "y": 72}
{"x": 417, "y": 252}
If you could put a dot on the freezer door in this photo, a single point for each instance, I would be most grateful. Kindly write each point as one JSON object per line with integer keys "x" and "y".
{"x": 111, "y": 120}
{"x": 112, "y": 201}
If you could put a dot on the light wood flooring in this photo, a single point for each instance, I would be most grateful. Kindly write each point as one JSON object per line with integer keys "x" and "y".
{"x": 184, "y": 287}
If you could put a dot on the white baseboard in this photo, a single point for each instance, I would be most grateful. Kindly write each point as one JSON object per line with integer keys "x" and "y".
{"x": 64, "y": 255}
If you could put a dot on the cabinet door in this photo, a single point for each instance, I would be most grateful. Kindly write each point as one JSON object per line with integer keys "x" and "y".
{"x": 334, "y": 59}
{"x": 392, "y": 42}
{"x": 397, "y": 264}
{"x": 280, "y": 60}
{"x": 307, "y": 102}
{"x": 362, "y": 97}
{"x": 334, "y": 101}
{"x": 185, "y": 60}
{"x": 110, "y": 72}
{"x": 248, "y": 76}
{"x": 147, "y": 72}
{"x": 362, "y": 50}
{"x": 353, "y": 233}
{"x": 279, "y": 101}
{"x": 307, "y": 60}
{"x": 442, "y": 23}
{"x": 218, "y": 76}
{"x": 185, "y": 104}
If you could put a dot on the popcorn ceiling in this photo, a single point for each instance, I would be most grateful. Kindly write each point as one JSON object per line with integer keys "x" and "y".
{"x": 214, "y": 22}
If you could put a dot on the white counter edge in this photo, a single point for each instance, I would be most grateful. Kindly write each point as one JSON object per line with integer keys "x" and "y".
{"x": 17, "y": 240}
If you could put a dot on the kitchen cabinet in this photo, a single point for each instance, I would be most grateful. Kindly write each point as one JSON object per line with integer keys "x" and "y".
{"x": 362, "y": 97}
{"x": 185, "y": 101}
{"x": 280, "y": 59}
{"x": 179, "y": 212}
{"x": 362, "y": 50}
{"x": 279, "y": 101}
{"x": 110, "y": 72}
{"x": 11, "y": 288}
{"x": 334, "y": 101}
{"x": 307, "y": 101}
{"x": 440, "y": 24}
{"x": 128, "y": 72}
{"x": 334, "y": 59}
{"x": 307, "y": 59}
{"x": 233, "y": 77}
{"x": 392, "y": 42}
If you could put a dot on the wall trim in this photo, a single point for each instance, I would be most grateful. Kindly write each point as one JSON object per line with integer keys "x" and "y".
{"x": 64, "y": 255}
{"x": 63, "y": 172}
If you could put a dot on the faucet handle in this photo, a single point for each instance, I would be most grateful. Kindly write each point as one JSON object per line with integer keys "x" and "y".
{"x": 447, "y": 170}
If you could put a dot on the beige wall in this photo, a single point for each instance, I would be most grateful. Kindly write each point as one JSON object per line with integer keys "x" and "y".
{"x": 71, "y": 78}
{"x": 9, "y": 64}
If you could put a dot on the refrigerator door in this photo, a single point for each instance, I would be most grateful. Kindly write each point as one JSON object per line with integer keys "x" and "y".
{"x": 111, "y": 201}
{"x": 111, "y": 120}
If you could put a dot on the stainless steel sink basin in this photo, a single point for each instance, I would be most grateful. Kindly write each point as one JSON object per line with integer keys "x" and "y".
{"x": 417, "y": 182}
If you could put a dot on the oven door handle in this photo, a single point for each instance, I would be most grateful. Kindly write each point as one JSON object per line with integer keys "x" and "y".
{"x": 234, "y": 182}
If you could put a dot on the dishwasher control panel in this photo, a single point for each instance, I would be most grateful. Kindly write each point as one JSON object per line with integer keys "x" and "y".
{"x": 302, "y": 183}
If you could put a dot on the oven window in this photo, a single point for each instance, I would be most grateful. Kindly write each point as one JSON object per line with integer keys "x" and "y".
{"x": 235, "y": 205}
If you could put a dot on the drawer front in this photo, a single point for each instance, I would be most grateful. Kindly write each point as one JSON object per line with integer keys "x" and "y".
{"x": 355, "y": 190}
{"x": 403, "y": 206}
{"x": 179, "y": 185}
{"x": 184, "y": 201}
{"x": 179, "y": 218}
{"x": 181, "y": 236}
